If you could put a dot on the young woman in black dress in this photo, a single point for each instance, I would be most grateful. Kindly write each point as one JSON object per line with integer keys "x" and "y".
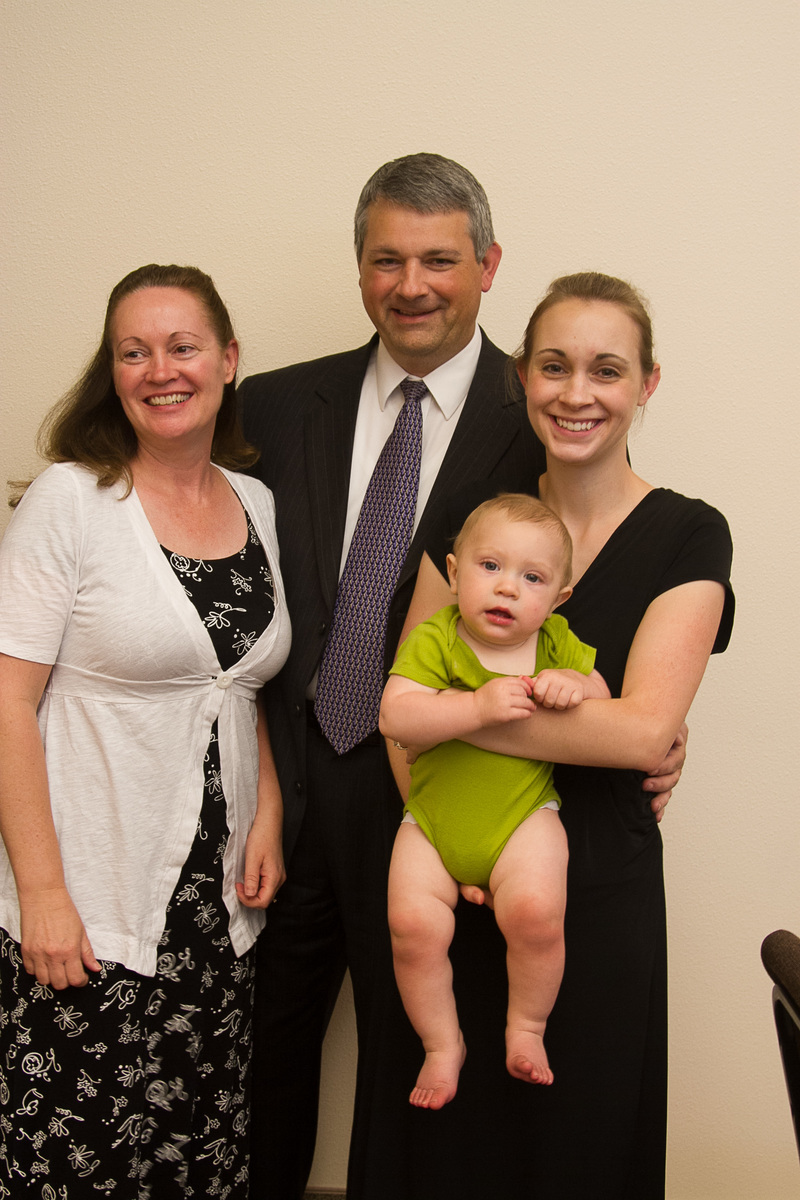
{"x": 652, "y": 593}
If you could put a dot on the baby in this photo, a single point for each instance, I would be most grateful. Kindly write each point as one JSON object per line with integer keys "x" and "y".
{"x": 477, "y": 818}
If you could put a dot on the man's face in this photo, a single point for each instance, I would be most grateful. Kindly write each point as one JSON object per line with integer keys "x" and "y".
{"x": 421, "y": 284}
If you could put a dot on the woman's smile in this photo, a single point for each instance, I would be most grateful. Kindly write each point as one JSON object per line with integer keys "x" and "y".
{"x": 584, "y": 381}
{"x": 576, "y": 426}
{"x": 171, "y": 398}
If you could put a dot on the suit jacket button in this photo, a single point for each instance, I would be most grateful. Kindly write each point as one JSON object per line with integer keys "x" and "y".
{"x": 298, "y": 787}
{"x": 323, "y": 628}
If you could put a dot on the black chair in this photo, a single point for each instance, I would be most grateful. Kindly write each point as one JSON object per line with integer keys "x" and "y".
{"x": 780, "y": 953}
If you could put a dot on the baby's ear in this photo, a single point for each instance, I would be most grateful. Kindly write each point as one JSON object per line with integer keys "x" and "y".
{"x": 452, "y": 573}
{"x": 562, "y": 597}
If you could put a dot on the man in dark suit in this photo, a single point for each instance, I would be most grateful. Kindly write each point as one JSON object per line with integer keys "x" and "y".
{"x": 426, "y": 253}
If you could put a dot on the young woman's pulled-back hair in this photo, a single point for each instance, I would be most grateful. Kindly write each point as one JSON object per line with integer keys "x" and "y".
{"x": 592, "y": 285}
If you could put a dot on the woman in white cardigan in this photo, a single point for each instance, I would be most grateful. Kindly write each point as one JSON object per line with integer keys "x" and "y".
{"x": 141, "y": 610}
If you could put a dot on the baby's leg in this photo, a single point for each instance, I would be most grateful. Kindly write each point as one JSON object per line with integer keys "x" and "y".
{"x": 422, "y": 896}
{"x": 529, "y": 887}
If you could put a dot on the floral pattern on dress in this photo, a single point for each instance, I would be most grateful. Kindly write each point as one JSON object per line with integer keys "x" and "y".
{"x": 133, "y": 1087}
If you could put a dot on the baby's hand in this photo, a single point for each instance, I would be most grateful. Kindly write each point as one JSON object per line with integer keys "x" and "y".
{"x": 505, "y": 699}
{"x": 559, "y": 689}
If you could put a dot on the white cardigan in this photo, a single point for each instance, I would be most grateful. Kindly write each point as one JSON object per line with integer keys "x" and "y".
{"x": 128, "y": 709}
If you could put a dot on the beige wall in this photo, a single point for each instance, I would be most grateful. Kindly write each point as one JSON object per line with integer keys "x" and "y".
{"x": 653, "y": 140}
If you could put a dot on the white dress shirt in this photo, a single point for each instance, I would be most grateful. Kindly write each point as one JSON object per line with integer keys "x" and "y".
{"x": 380, "y": 403}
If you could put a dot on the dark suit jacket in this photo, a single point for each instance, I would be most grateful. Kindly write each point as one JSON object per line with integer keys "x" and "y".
{"x": 303, "y": 418}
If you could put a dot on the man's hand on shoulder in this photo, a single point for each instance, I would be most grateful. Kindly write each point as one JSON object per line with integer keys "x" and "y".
{"x": 661, "y": 781}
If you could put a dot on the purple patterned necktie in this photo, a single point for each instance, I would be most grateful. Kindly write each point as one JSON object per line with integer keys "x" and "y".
{"x": 351, "y": 672}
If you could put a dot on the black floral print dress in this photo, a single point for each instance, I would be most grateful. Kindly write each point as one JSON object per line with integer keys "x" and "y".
{"x": 138, "y": 1087}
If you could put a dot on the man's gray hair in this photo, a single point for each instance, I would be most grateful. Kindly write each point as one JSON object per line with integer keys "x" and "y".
{"x": 428, "y": 183}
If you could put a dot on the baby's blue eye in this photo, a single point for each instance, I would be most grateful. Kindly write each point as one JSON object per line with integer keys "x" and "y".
{"x": 532, "y": 577}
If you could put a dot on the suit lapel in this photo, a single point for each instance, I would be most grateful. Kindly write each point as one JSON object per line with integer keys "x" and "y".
{"x": 488, "y": 423}
{"x": 329, "y": 433}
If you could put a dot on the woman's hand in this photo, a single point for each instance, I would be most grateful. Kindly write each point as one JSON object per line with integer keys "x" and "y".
{"x": 54, "y": 944}
{"x": 263, "y": 854}
{"x": 263, "y": 865}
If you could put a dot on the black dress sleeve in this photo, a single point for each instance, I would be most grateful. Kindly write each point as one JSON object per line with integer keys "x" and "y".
{"x": 702, "y": 549}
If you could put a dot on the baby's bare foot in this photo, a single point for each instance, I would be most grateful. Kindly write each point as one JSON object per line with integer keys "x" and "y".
{"x": 526, "y": 1057}
{"x": 437, "y": 1082}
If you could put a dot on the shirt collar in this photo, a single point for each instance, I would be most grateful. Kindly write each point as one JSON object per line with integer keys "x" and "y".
{"x": 448, "y": 384}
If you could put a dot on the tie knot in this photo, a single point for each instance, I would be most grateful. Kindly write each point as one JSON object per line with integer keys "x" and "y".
{"x": 413, "y": 389}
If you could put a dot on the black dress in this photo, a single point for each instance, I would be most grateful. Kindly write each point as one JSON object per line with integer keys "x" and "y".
{"x": 599, "y": 1132}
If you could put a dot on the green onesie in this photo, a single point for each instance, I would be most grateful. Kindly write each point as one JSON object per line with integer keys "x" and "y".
{"x": 468, "y": 801}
